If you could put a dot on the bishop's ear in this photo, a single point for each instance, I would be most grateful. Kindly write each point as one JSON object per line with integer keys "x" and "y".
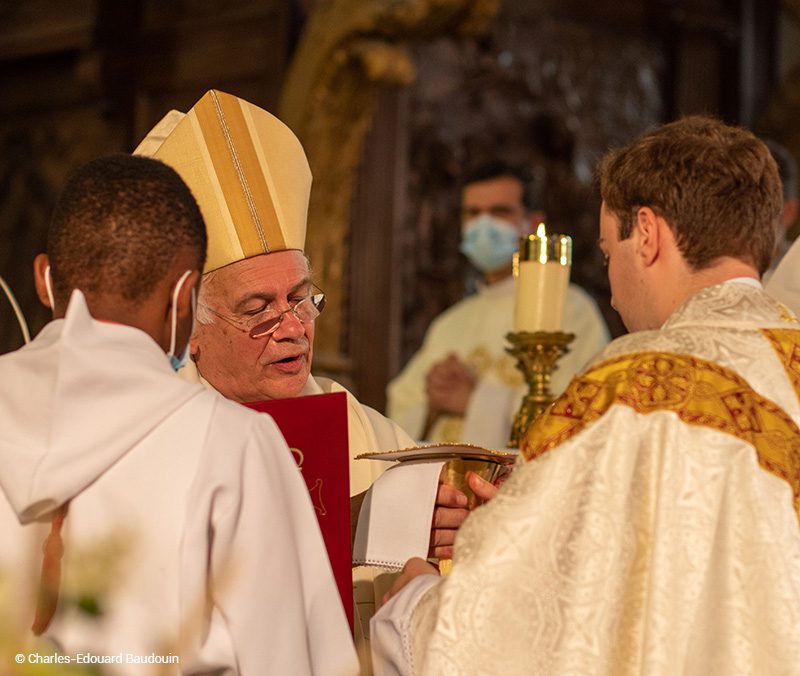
{"x": 40, "y": 269}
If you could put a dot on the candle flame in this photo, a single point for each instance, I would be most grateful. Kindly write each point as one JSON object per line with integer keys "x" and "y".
{"x": 541, "y": 233}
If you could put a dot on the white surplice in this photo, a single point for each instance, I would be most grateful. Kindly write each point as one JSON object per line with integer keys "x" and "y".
{"x": 189, "y": 528}
{"x": 475, "y": 329}
{"x": 655, "y": 531}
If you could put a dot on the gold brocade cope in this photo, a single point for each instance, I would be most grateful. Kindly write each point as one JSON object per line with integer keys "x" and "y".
{"x": 447, "y": 428}
{"x": 699, "y": 392}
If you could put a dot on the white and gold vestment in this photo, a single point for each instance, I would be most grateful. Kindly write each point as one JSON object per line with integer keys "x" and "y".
{"x": 652, "y": 530}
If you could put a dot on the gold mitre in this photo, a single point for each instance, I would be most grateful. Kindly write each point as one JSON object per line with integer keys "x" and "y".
{"x": 245, "y": 168}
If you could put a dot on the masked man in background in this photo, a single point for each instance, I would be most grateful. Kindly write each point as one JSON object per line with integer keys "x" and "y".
{"x": 462, "y": 385}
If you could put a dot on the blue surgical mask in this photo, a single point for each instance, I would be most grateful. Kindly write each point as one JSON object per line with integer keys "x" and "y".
{"x": 489, "y": 242}
{"x": 179, "y": 361}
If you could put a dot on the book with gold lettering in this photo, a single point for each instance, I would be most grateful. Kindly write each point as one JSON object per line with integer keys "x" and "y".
{"x": 315, "y": 428}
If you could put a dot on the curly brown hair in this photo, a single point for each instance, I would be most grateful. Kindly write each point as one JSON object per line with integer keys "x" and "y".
{"x": 716, "y": 185}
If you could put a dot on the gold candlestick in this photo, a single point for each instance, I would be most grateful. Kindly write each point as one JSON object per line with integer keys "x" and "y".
{"x": 537, "y": 355}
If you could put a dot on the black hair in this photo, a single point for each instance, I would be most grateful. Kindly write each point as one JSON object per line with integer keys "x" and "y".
{"x": 500, "y": 169}
{"x": 119, "y": 225}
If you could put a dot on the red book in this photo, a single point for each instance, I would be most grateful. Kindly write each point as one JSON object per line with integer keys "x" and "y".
{"x": 315, "y": 428}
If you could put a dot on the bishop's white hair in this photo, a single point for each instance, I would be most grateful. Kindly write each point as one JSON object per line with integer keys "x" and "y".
{"x": 202, "y": 315}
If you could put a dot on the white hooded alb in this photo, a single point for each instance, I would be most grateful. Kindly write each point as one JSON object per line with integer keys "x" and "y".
{"x": 189, "y": 532}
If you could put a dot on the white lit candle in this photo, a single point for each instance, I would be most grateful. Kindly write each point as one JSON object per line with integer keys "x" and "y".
{"x": 544, "y": 265}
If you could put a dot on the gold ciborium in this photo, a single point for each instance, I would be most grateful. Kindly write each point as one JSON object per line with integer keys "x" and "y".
{"x": 537, "y": 355}
{"x": 454, "y": 473}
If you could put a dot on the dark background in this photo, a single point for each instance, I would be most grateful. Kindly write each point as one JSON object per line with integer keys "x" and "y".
{"x": 550, "y": 83}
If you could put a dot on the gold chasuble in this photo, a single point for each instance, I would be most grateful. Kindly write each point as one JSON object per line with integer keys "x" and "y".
{"x": 653, "y": 528}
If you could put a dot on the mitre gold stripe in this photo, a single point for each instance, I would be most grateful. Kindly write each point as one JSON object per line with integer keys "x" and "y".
{"x": 262, "y": 140}
{"x": 237, "y": 168}
{"x": 224, "y": 245}
{"x": 253, "y": 168}
{"x": 699, "y": 392}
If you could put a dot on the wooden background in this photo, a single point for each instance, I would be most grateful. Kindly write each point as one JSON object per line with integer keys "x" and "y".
{"x": 391, "y": 98}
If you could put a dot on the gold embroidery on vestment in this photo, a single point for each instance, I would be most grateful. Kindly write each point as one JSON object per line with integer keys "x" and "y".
{"x": 786, "y": 343}
{"x": 503, "y": 366}
{"x": 448, "y": 428}
{"x": 698, "y": 391}
{"x": 786, "y": 315}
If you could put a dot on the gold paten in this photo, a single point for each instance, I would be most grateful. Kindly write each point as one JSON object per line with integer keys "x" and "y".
{"x": 459, "y": 458}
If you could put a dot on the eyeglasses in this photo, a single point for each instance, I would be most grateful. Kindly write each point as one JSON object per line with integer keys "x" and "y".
{"x": 266, "y": 322}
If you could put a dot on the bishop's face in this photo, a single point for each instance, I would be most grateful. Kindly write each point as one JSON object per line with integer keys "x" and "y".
{"x": 242, "y": 368}
{"x": 628, "y": 292}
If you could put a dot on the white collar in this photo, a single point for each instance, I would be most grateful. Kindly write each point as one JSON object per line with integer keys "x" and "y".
{"x": 750, "y": 281}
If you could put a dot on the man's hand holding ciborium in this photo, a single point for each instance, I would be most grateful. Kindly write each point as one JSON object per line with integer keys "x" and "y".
{"x": 452, "y": 508}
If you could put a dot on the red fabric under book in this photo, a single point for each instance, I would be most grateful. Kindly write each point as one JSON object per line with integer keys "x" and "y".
{"x": 315, "y": 428}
